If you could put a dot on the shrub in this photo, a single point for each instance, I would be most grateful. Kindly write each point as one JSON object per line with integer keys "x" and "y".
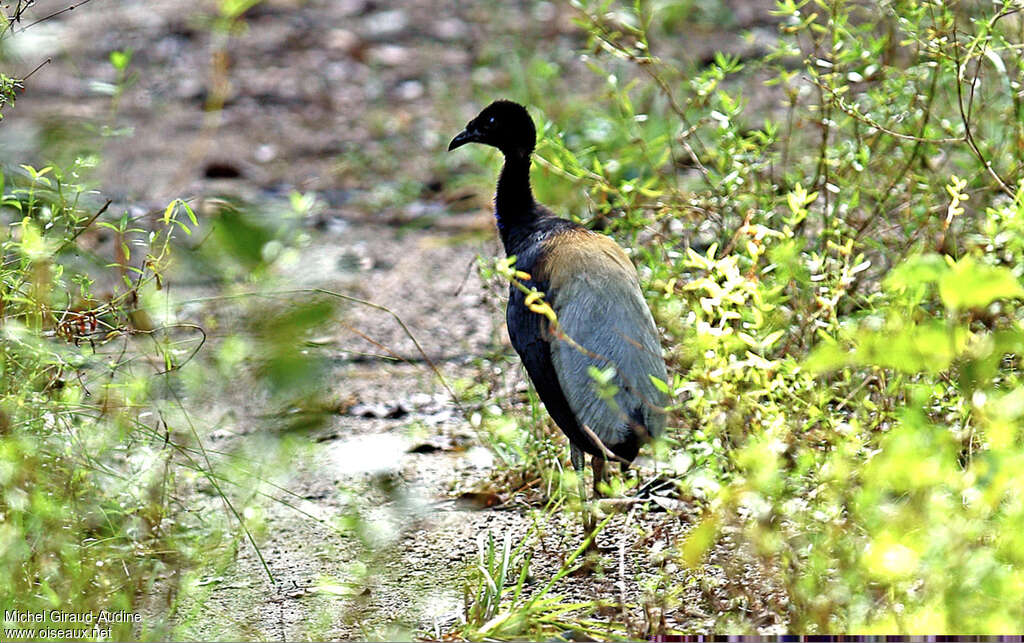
{"x": 834, "y": 259}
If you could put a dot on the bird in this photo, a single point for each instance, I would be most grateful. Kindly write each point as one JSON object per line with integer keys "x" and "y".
{"x": 601, "y": 318}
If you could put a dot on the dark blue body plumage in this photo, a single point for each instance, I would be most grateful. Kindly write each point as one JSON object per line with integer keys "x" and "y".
{"x": 530, "y": 335}
{"x": 603, "y": 320}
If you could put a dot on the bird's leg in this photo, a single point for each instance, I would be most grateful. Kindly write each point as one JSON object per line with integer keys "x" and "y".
{"x": 577, "y": 456}
{"x": 599, "y": 474}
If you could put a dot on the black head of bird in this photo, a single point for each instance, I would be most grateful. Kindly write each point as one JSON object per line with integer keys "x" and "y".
{"x": 504, "y": 125}
{"x": 602, "y": 318}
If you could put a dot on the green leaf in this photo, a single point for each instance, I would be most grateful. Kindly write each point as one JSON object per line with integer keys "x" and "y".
{"x": 288, "y": 366}
{"x": 925, "y": 348}
{"x": 972, "y": 285}
{"x": 827, "y": 356}
{"x": 659, "y": 384}
{"x": 698, "y": 542}
{"x": 770, "y": 339}
{"x": 243, "y": 239}
{"x": 121, "y": 59}
{"x": 33, "y": 243}
{"x": 188, "y": 210}
{"x": 916, "y": 271}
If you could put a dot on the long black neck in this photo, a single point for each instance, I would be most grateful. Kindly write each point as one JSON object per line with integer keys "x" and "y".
{"x": 514, "y": 206}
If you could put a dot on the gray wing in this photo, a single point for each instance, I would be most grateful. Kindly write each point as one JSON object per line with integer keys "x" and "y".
{"x": 609, "y": 318}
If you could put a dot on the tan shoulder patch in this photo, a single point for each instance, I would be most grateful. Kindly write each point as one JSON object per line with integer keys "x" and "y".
{"x": 575, "y": 250}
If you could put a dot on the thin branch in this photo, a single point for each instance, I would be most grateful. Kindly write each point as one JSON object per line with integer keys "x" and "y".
{"x": 853, "y": 112}
{"x": 52, "y": 15}
{"x": 597, "y": 442}
{"x": 208, "y": 473}
{"x": 968, "y": 136}
{"x": 407, "y": 332}
{"x": 38, "y": 67}
{"x": 84, "y": 227}
{"x": 356, "y": 300}
{"x": 623, "y": 611}
{"x": 914, "y": 153}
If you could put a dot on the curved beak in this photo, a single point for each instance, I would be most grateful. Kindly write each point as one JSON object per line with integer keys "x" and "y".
{"x": 463, "y": 137}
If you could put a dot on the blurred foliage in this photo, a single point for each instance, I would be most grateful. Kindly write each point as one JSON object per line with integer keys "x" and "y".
{"x": 110, "y": 494}
{"x": 83, "y": 523}
{"x": 101, "y": 387}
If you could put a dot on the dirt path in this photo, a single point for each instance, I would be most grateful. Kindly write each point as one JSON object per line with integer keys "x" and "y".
{"x": 353, "y": 101}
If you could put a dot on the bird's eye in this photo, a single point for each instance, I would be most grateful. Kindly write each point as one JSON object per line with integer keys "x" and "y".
{"x": 490, "y": 121}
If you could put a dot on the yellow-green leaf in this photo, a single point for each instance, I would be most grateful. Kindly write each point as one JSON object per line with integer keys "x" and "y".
{"x": 974, "y": 285}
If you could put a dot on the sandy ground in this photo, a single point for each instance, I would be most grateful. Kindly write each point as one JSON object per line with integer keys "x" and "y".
{"x": 354, "y": 101}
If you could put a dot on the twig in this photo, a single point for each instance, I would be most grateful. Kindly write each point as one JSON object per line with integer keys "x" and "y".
{"x": 19, "y": 11}
{"x": 597, "y": 442}
{"x": 38, "y": 67}
{"x": 407, "y": 332}
{"x": 195, "y": 351}
{"x": 208, "y": 473}
{"x": 617, "y": 504}
{"x": 727, "y": 250}
{"x": 370, "y": 304}
{"x": 394, "y": 355}
{"x": 914, "y": 153}
{"x": 465, "y": 277}
{"x": 968, "y": 136}
{"x": 853, "y": 112}
{"x": 515, "y": 493}
{"x": 52, "y": 15}
{"x": 622, "y": 568}
{"x": 84, "y": 227}
{"x": 647, "y": 65}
